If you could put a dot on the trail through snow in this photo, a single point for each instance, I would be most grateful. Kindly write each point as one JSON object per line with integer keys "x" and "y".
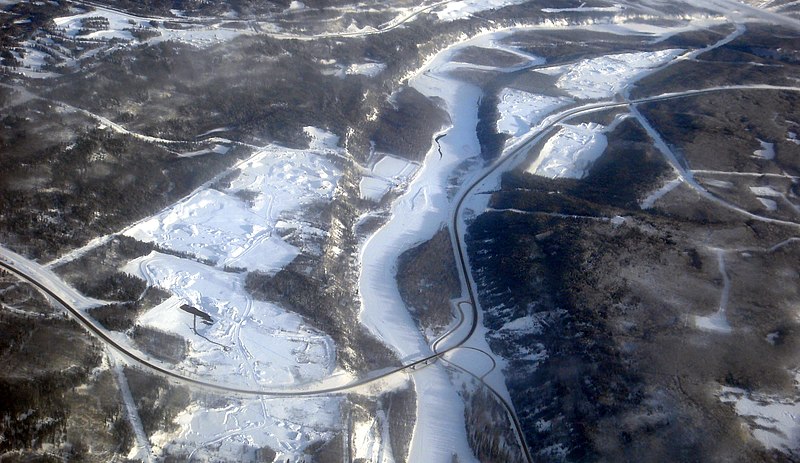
{"x": 718, "y": 321}
{"x": 142, "y": 450}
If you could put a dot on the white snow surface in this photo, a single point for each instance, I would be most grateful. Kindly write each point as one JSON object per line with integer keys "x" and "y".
{"x": 571, "y": 152}
{"x": 605, "y": 76}
{"x": 766, "y": 152}
{"x": 463, "y": 9}
{"x": 388, "y": 173}
{"x": 233, "y": 430}
{"x": 765, "y": 191}
{"x": 266, "y": 345}
{"x": 229, "y": 231}
{"x": 220, "y": 228}
{"x": 368, "y": 69}
{"x": 199, "y": 35}
{"x": 251, "y": 344}
{"x": 119, "y": 30}
{"x": 373, "y": 188}
{"x": 520, "y": 110}
{"x": 365, "y": 69}
{"x": 716, "y": 322}
{"x": 581, "y": 9}
{"x": 371, "y": 440}
{"x": 769, "y": 204}
{"x": 321, "y": 140}
{"x": 774, "y": 421}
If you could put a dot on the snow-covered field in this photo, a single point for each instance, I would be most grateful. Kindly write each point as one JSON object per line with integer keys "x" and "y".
{"x": 363, "y": 69}
{"x": 114, "y": 29}
{"x": 767, "y": 151}
{"x": 235, "y": 429}
{"x": 605, "y": 76}
{"x": 464, "y": 8}
{"x": 264, "y": 345}
{"x": 371, "y": 440}
{"x": 120, "y": 25}
{"x": 774, "y": 421}
{"x": 388, "y": 173}
{"x": 585, "y": 9}
{"x": 520, "y": 110}
{"x": 238, "y": 227}
{"x": 570, "y": 152}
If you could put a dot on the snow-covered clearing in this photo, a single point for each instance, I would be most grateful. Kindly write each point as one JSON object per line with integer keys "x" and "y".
{"x": 520, "y": 110}
{"x": 120, "y": 24}
{"x": 766, "y": 152}
{"x": 363, "y": 69}
{"x": 265, "y": 345}
{"x": 767, "y": 191}
{"x": 605, "y": 76}
{"x": 371, "y": 440}
{"x": 574, "y": 148}
{"x": 718, "y": 183}
{"x": 388, "y": 173}
{"x": 235, "y": 429}
{"x": 586, "y": 9}
{"x": 769, "y": 204}
{"x": 570, "y": 152}
{"x": 774, "y": 421}
{"x": 768, "y": 197}
{"x": 115, "y": 29}
{"x": 237, "y": 227}
{"x": 465, "y": 8}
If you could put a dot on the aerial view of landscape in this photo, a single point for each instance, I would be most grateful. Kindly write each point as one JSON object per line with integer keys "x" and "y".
{"x": 400, "y": 231}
